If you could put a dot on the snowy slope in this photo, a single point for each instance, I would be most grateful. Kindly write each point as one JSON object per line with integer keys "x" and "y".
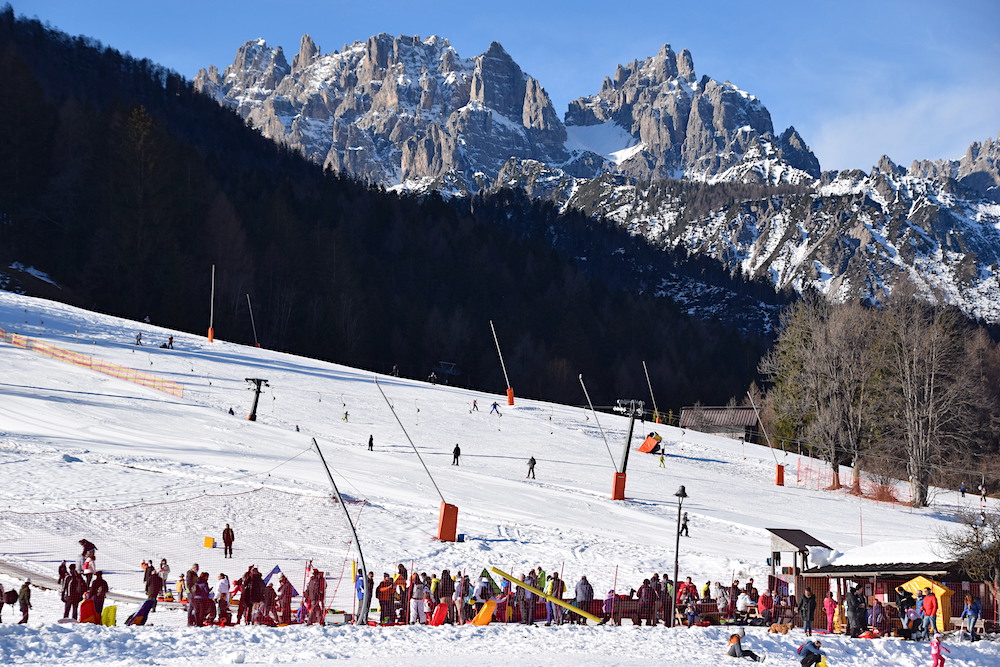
{"x": 70, "y": 437}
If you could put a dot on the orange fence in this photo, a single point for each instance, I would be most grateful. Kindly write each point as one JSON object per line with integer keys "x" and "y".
{"x": 99, "y": 365}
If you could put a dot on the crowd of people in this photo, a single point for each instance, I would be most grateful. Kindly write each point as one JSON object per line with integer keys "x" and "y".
{"x": 412, "y": 598}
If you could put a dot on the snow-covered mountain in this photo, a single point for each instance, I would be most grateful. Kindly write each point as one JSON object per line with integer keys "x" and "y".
{"x": 852, "y": 235}
{"x": 411, "y": 113}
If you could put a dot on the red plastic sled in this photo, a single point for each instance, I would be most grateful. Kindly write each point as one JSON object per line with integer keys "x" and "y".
{"x": 439, "y": 613}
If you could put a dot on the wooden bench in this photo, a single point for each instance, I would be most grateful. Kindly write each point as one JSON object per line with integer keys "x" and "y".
{"x": 956, "y": 624}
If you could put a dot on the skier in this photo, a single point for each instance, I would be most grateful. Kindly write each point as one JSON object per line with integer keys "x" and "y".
{"x": 496, "y": 409}
{"x": 531, "y": 468}
{"x": 371, "y": 443}
{"x": 475, "y": 406}
{"x": 684, "y": 525}
{"x": 170, "y": 343}
{"x": 455, "y": 453}
{"x": 227, "y": 541}
{"x": 962, "y": 490}
{"x": 346, "y": 415}
{"x": 138, "y": 338}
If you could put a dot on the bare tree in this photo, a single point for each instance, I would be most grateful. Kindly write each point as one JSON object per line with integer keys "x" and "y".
{"x": 932, "y": 397}
{"x": 824, "y": 368}
{"x": 976, "y": 545}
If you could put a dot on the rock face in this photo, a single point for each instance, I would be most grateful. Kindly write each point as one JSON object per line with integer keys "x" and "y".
{"x": 394, "y": 109}
{"x": 687, "y": 127}
{"x": 412, "y": 112}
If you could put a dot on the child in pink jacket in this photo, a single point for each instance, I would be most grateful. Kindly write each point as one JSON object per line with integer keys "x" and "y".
{"x": 937, "y": 660}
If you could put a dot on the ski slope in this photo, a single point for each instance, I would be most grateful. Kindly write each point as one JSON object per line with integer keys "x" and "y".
{"x": 184, "y": 467}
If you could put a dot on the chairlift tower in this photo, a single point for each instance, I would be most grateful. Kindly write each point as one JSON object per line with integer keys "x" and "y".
{"x": 257, "y": 382}
{"x": 632, "y": 408}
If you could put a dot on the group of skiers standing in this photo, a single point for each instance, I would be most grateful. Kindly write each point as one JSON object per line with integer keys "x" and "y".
{"x": 412, "y": 598}
{"x": 259, "y": 602}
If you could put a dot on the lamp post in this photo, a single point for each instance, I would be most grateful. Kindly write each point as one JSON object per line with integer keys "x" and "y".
{"x": 680, "y": 495}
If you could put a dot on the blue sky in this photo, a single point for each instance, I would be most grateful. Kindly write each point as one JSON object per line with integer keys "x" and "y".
{"x": 858, "y": 79}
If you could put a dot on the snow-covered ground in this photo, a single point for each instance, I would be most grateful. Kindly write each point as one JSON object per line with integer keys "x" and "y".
{"x": 155, "y": 474}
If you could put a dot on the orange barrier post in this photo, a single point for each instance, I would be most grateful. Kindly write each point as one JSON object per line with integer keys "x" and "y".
{"x": 447, "y": 522}
{"x": 779, "y": 475}
{"x": 510, "y": 396}
{"x": 211, "y": 334}
{"x": 618, "y": 490}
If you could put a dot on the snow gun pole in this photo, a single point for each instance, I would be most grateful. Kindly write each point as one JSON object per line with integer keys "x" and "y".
{"x": 448, "y": 517}
{"x": 211, "y": 310}
{"x": 779, "y": 469}
{"x": 618, "y": 483}
{"x": 545, "y": 596}
{"x": 362, "y": 616}
{"x": 253, "y": 326}
{"x": 594, "y": 412}
{"x": 510, "y": 390}
{"x": 656, "y": 411}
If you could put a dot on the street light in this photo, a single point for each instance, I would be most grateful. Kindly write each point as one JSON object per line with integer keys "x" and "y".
{"x": 680, "y": 495}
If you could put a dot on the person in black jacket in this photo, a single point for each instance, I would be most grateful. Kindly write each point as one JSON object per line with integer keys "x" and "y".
{"x": 227, "y": 541}
{"x": 72, "y": 592}
{"x": 154, "y": 585}
{"x": 455, "y": 453}
{"x": 88, "y": 549}
{"x": 807, "y": 609}
{"x": 98, "y": 591}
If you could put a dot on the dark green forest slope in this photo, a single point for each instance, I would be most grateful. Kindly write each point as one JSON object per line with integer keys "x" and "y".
{"x": 126, "y": 186}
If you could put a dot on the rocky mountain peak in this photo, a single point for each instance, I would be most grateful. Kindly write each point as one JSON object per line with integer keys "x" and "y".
{"x": 689, "y": 127}
{"x": 307, "y": 52}
{"x": 685, "y": 66}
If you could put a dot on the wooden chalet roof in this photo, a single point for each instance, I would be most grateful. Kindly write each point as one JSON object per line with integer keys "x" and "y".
{"x": 695, "y": 416}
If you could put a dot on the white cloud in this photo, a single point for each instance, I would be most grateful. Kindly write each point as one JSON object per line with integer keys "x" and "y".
{"x": 937, "y": 123}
